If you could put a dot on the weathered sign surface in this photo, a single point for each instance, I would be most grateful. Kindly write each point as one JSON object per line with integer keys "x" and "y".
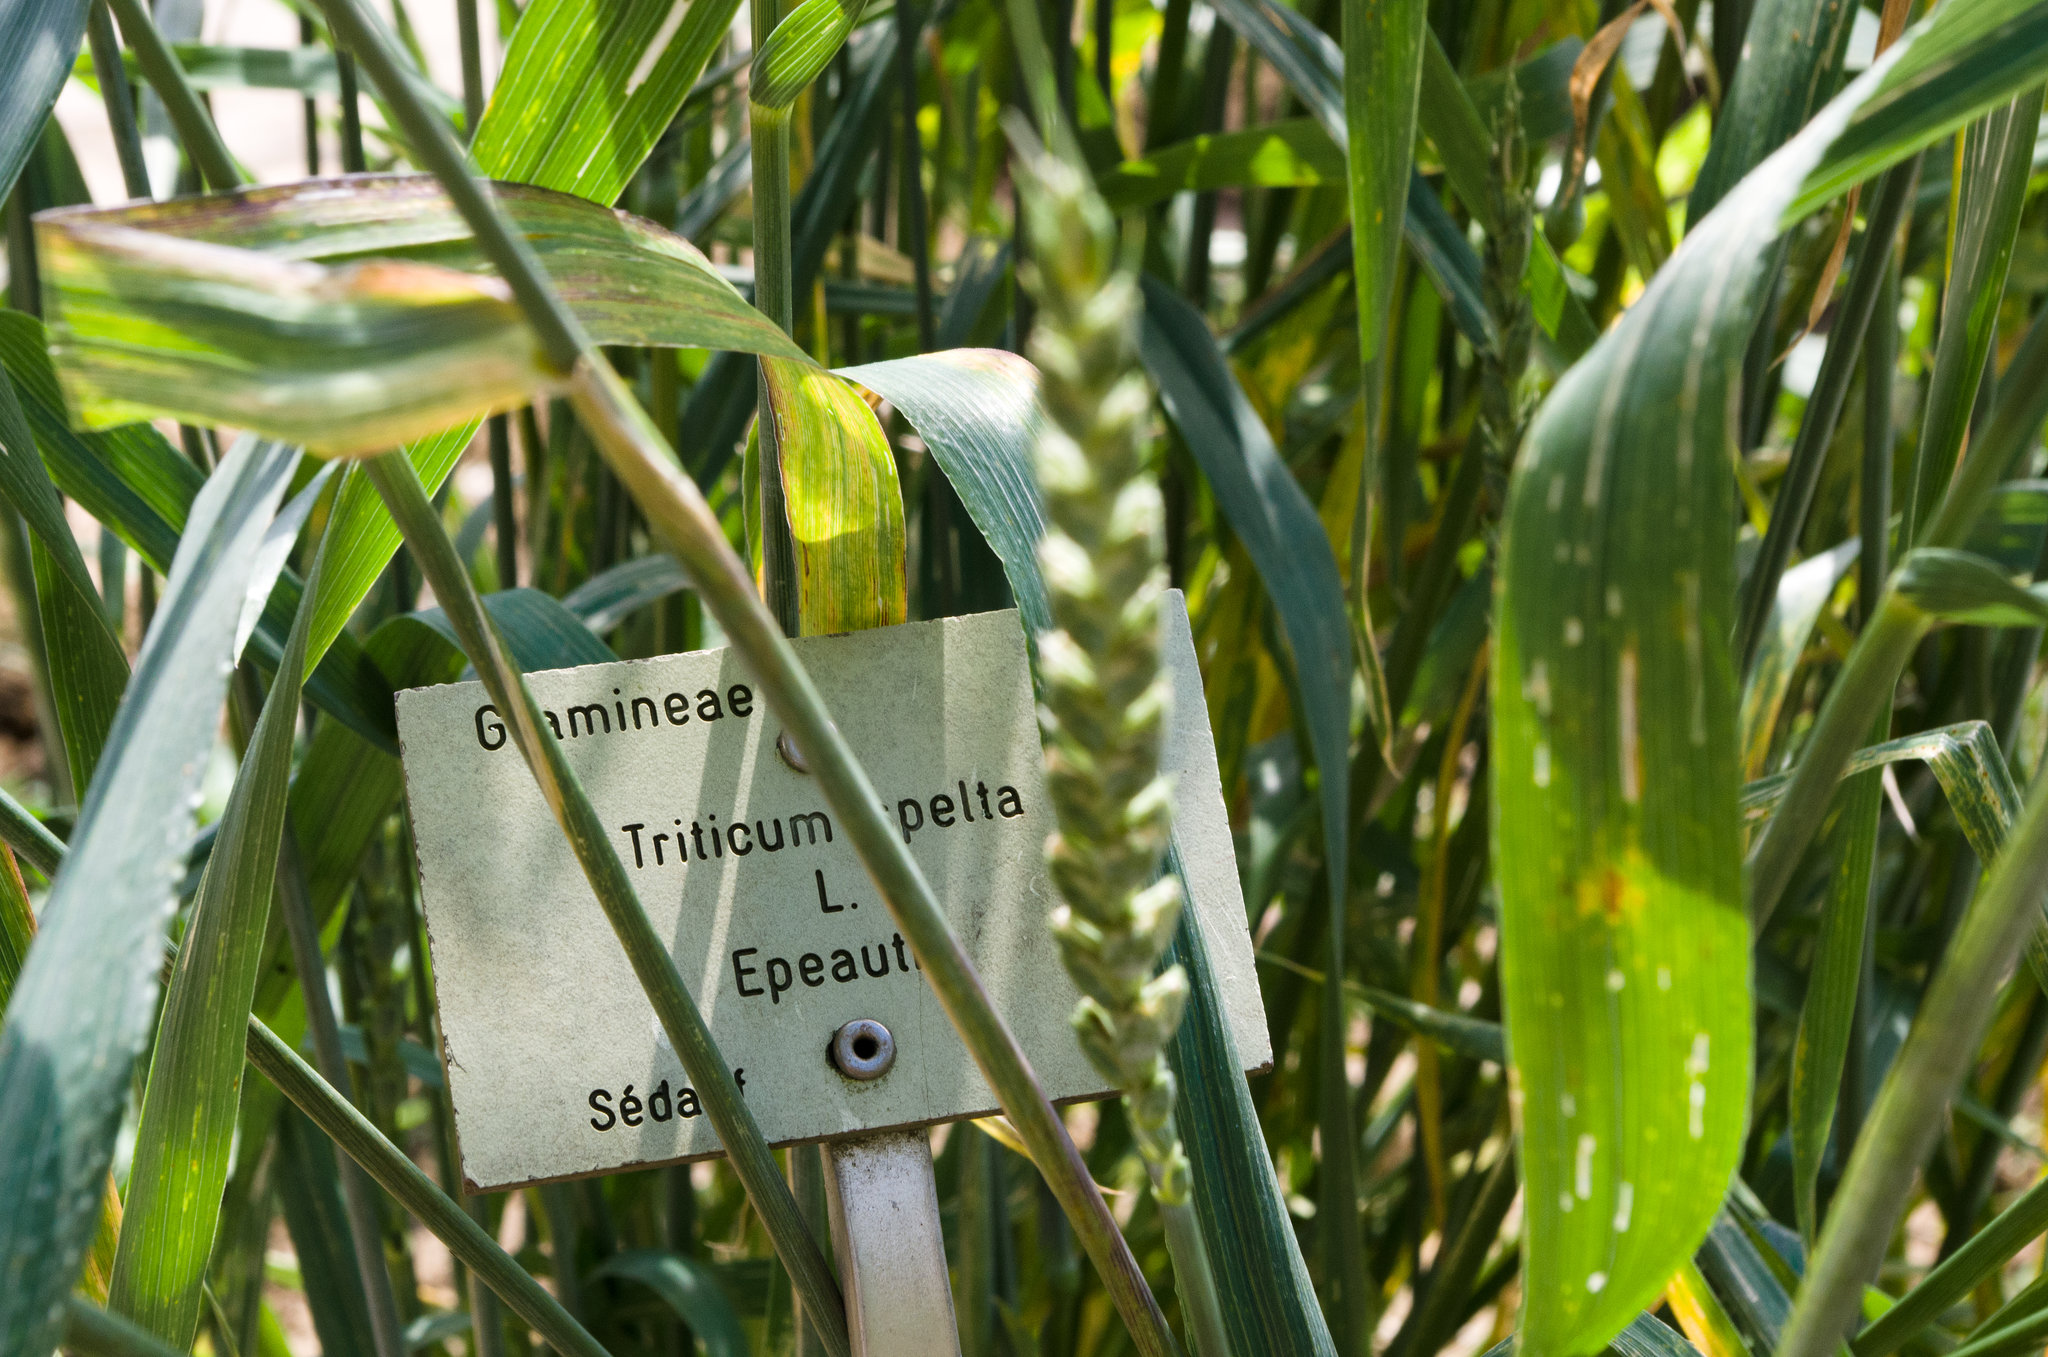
{"x": 555, "y": 1061}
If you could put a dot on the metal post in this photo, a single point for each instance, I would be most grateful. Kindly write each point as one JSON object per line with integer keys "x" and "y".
{"x": 892, "y": 1256}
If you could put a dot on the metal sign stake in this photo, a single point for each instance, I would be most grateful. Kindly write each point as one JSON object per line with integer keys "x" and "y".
{"x": 892, "y": 1256}
{"x": 884, "y": 1208}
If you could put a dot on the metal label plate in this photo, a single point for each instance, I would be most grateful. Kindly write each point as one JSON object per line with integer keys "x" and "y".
{"x": 555, "y": 1061}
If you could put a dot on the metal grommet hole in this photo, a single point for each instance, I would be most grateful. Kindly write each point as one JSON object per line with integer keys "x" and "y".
{"x": 790, "y": 754}
{"x": 863, "y": 1050}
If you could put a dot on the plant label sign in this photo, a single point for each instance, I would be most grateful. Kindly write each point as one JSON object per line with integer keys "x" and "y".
{"x": 555, "y": 1060}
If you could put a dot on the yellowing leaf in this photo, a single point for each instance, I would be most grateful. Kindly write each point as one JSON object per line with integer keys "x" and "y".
{"x": 844, "y": 503}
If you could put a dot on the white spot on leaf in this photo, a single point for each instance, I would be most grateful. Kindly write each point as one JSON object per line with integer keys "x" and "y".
{"x": 1624, "y": 1206}
{"x": 1536, "y": 687}
{"x": 1582, "y": 1167}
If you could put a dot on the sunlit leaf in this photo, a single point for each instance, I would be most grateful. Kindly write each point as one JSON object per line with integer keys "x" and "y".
{"x": 1625, "y": 941}
{"x": 844, "y": 505}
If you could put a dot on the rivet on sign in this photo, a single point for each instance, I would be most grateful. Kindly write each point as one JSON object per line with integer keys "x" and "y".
{"x": 862, "y": 1050}
{"x": 790, "y": 754}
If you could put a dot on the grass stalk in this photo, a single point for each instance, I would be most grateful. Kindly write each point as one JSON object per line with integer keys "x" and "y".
{"x": 913, "y": 233}
{"x": 411, "y": 1188}
{"x": 1907, "y": 1118}
{"x": 119, "y": 99}
{"x": 1957, "y": 1275}
{"x": 469, "y": 37}
{"x": 504, "y": 517}
{"x": 738, "y": 1132}
{"x": 365, "y": 1230}
{"x": 166, "y": 75}
{"x": 775, "y": 297}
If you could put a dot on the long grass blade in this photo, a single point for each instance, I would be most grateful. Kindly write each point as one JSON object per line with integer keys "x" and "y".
{"x": 64, "y": 1070}
{"x": 44, "y": 36}
{"x": 189, "y": 1106}
{"x": 1995, "y": 159}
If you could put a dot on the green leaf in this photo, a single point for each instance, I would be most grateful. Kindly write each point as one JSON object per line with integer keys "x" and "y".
{"x": 1752, "y": 1291}
{"x": 1453, "y": 268}
{"x": 1995, "y": 160}
{"x": 630, "y": 282}
{"x": 1383, "y": 60}
{"x": 1452, "y": 123}
{"x": 1792, "y": 59}
{"x": 540, "y": 633}
{"x": 842, "y": 499}
{"x": 1269, "y": 1305}
{"x": 1965, "y": 759}
{"x": 41, "y": 38}
{"x": 94, "y": 1332}
{"x": 88, "y": 667}
{"x": 129, "y": 478}
{"x": 1802, "y": 592}
{"x": 1278, "y": 526}
{"x": 401, "y": 1178}
{"x": 586, "y": 91}
{"x": 311, "y": 71}
{"x": 714, "y": 422}
{"x": 1956, "y": 1276}
{"x": 978, "y": 411}
{"x": 1615, "y": 765}
{"x": 193, "y": 1095}
{"x": 64, "y": 1065}
{"x": 210, "y": 310}
{"x": 589, "y": 86}
{"x": 1964, "y": 63}
{"x": 798, "y": 51}
{"x": 611, "y": 596}
{"x": 25, "y": 834}
{"x": 133, "y": 481}
{"x": 17, "y": 928}
{"x": 689, "y": 1288}
{"x": 1294, "y": 152}
{"x": 1959, "y": 587}
{"x": 1827, "y": 1016}
{"x": 1647, "y": 1336}
{"x": 1313, "y": 68}
{"x": 1906, "y": 1119}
